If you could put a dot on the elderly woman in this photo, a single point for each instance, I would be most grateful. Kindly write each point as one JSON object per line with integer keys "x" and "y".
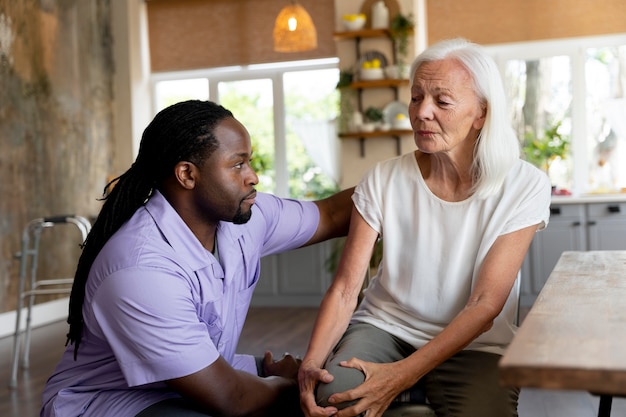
{"x": 457, "y": 217}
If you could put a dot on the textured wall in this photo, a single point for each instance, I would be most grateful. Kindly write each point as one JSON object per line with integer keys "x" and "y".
{"x": 55, "y": 125}
{"x": 192, "y": 34}
{"x": 492, "y": 22}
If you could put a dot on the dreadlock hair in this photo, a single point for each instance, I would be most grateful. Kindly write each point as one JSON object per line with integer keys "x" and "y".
{"x": 181, "y": 132}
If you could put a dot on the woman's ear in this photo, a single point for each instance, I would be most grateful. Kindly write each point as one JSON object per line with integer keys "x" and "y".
{"x": 480, "y": 122}
{"x": 185, "y": 173}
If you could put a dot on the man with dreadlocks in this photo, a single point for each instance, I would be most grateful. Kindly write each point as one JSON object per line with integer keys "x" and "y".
{"x": 166, "y": 275}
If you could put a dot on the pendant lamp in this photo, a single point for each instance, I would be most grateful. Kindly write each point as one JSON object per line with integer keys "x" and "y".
{"x": 294, "y": 30}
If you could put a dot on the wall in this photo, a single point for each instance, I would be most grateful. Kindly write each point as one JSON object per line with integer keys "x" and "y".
{"x": 190, "y": 34}
{"x": 55, "y": 125}
{"x": 523, "y": 20}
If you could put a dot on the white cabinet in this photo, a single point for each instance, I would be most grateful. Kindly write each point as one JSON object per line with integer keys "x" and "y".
{"x": 572, "y": 227}
{"x": 606, "y": 226}
{"x": 295, "y": 278}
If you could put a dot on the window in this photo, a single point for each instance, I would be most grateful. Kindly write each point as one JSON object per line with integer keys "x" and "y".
{"x": 568, "y": 105}
{"x": 289, "y": 111}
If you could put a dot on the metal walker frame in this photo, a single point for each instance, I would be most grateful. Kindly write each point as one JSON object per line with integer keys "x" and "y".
{"x": 30, "y": 287}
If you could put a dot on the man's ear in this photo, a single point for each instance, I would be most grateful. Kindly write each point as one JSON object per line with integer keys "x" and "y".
{"x": 186, "y": 174}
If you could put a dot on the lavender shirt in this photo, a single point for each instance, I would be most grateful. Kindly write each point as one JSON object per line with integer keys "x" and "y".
{"x": 158, "y": 305}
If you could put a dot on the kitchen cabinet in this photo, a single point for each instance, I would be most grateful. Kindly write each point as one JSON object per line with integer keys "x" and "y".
{"x": 607, "y": 226}
{"x": 579, "y": 226}
{"x": 394, "y": 84}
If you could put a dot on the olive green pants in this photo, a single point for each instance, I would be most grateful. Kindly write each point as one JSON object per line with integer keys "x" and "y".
{"x": 466, "y": 385}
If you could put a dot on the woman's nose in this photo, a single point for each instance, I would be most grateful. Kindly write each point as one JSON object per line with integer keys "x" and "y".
{"x": 424, "y": 109}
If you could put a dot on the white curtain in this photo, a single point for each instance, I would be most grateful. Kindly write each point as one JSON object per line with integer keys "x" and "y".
{"x": 320, "y": 141}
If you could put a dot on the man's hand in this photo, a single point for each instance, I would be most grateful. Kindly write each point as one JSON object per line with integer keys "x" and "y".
{"x": 287, "y": 367}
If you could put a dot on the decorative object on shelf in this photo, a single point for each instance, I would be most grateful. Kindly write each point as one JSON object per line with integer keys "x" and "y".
{"x": 380, "y": 15}
{"x": 294, "y": 30}
{"x": 356, "y": 121}
{"x": 372, "y": 65}
{"x": 368, "y": 74}
{"x": 367, "y": 8}
{"x": 345, "y": 78}
{"x": 391, "y": 72}
{"x": 401, "y": 27}
{"x": 374, "y": 114}
{"x": 396, "y": 114}
{"x": 368, "y": 127}
{"x": 400, "y": 121}
{"x": 354, "y": 21}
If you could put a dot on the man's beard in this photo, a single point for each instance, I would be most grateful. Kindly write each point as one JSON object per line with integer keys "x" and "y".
{"x": 241, "y": 217}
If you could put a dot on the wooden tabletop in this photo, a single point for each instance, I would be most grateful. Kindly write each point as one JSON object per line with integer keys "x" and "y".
{"x": 574, "y": 336}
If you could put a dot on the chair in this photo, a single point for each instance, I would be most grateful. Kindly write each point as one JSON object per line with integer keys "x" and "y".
{"x": 30, "y": 287}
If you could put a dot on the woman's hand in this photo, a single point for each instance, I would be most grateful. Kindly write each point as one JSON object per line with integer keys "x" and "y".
{"x": 309, "y": 376}
{"x": 383, "y": 383}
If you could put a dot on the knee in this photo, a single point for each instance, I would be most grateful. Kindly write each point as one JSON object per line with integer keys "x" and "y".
{"x": 344, "y": 379}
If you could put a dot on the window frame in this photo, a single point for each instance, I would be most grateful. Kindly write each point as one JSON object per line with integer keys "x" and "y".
{"x": 575, "y": 49}
{"x": 273, "y": 72}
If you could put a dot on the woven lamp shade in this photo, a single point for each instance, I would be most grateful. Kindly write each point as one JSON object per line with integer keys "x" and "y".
{"x": 294, "y": 30}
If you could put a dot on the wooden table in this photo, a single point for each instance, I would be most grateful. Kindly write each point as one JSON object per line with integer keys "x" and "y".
{"x": 574, "y": 336}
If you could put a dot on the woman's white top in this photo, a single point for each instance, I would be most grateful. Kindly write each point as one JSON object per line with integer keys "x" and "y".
{"x": 433, "y": 249}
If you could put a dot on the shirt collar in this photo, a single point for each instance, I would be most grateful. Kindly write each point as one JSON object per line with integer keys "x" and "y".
{"x": 177, "y": 233}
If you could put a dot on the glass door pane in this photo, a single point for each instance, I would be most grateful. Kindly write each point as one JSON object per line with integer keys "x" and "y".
{"x": 540, "y": 93}
{"x": 252, "y": 103}
{"x": 311, "y": 106}
{"x": 605, "y": 70}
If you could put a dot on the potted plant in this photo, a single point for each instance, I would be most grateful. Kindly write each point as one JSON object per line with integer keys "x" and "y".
{"x": 375, "y": 119}
{"x": 542, "y": 151}
{"x": 345, "y": 78}
{"x": 374, "y": 114}
{"x": 400, "y": 27}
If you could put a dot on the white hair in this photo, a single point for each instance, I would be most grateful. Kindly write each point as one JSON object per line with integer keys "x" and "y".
{"x": 498, "y": 146}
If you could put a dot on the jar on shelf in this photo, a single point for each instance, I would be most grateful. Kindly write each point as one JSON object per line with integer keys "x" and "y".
{"x": 380, "y": 15}
{"x": 356, "y": 121}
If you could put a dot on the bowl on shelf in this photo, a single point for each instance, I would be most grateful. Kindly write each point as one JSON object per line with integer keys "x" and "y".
{"x": 401, "y": 122}
{"x": 354, "y": 21}
{"x": 371, "y": 74}
{"x": 392, "y": 72}
{"x": 368, "y": 127}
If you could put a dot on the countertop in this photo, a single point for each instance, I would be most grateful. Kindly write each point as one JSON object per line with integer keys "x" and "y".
{"x": 589, "y": 198}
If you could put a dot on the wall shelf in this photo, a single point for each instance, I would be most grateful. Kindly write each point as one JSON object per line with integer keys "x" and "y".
{"x": 382, "y": 83}
{"x": 360, "y": 85}
{"x": 363, "y": 33}
{"x": 361, "y": 136}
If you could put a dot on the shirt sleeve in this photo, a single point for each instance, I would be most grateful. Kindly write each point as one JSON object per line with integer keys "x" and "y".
{"x": 245, "y": 363}
{"x": 155, "y": 335}
{"x": 533, "y": 196}
{"x": 366, "y": 198}
{"x": 288, "y": 223}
